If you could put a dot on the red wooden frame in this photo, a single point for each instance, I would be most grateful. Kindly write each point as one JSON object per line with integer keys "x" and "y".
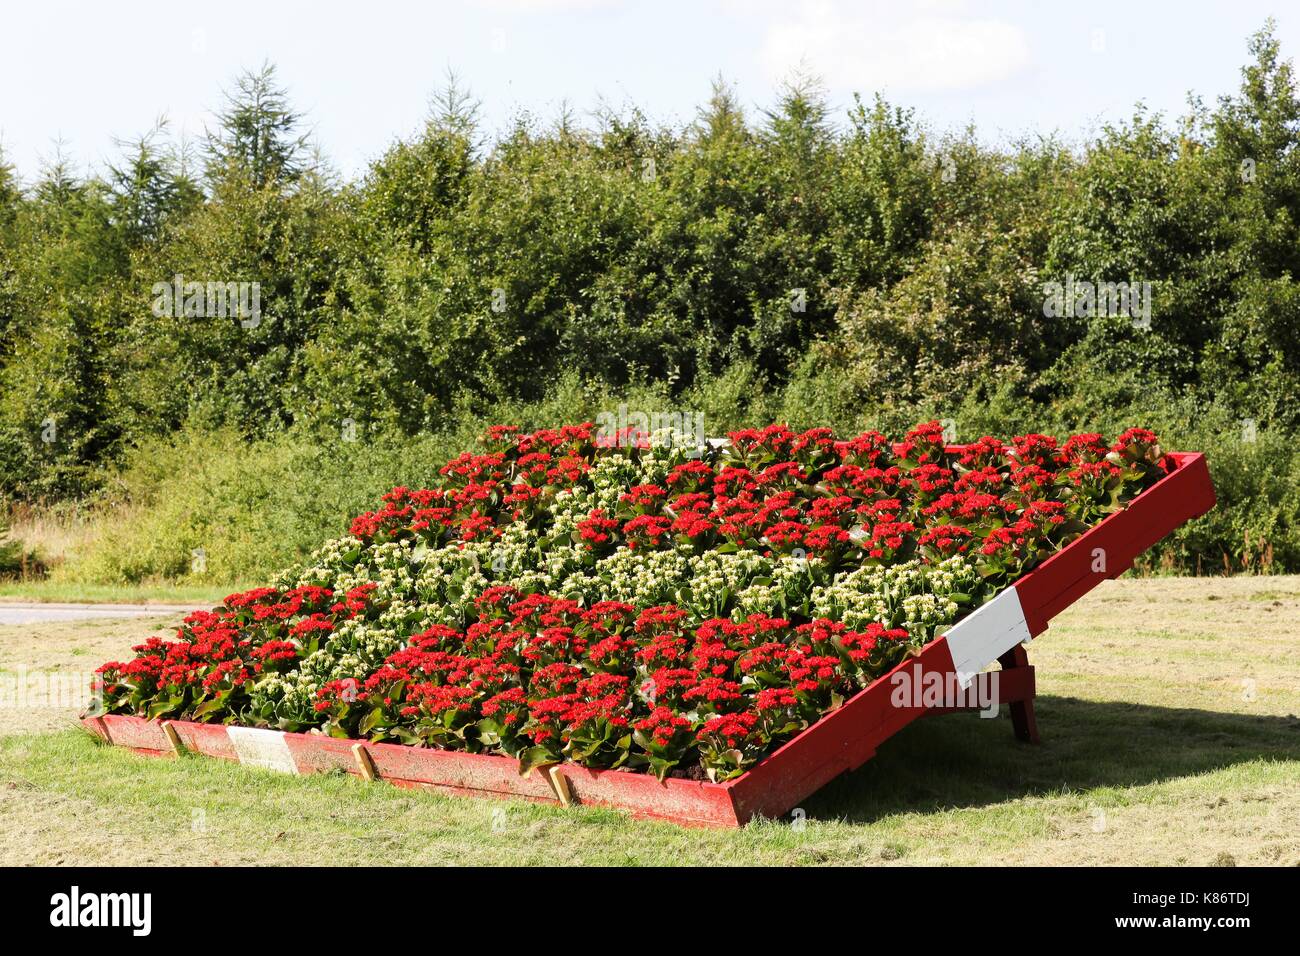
{"x": 839, "y": 742}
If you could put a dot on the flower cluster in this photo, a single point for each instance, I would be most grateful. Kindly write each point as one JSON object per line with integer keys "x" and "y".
{"x": 633, "y": 605}
{"x": 544, "y": 679}
{"x": 218, "y": 657}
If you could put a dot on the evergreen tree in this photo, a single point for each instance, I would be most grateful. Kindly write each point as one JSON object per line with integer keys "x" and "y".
{"x": 257, "y": 139}
{"x": 144, "y": 187}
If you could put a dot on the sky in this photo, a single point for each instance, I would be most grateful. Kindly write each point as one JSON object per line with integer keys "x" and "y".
{"x": 80, "y": 76}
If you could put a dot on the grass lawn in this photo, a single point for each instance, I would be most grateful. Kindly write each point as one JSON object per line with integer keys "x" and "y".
{"x": 1167, "y": 709}
{"x": 46, "y": 591}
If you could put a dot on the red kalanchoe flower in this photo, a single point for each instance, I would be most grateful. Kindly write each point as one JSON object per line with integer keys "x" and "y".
{"x": 597, "y": 528}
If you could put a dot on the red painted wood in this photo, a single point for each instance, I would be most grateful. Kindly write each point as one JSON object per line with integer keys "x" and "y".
{"x": 838, "y": 742}
{"x": 692, "y": 802}
{"x": 1015, "y": 662}
{"x": 682, "y": 801}
{"x": 1013, "y": 686}
{"x": 317, "y": 753}
{"x": 134, "y": 732}
{"x": 463, "y": 772}
{"x": 209, "y": 739}
{"x": 1066, "y": 576}
{"x": 97, "y": 727}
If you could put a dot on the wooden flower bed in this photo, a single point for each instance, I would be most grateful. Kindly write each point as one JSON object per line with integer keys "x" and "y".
{"x": 840, "y": 741}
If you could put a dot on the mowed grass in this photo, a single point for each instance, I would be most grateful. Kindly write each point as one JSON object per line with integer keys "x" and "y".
{"x": 55, "y": 591}
{"x": 1167, "y": 710}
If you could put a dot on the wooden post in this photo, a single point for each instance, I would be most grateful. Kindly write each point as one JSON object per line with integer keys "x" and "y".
{"x": 560, "y": 784}
{"x": 1023, "y": 721}
{"x": 365, "y": 762}
{"x": 173, "y": 738}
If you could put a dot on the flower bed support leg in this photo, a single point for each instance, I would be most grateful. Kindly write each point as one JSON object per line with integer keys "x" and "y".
{"x": 1023, "y": 722}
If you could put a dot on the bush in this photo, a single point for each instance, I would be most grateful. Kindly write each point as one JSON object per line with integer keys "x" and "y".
{"x": 12, "y": 553}
{"x": 208, "y": 505}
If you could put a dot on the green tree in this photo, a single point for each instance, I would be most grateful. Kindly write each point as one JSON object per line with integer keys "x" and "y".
{"x": 257, "y": 139}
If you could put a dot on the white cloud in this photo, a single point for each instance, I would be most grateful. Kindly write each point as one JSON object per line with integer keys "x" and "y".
{"x": 917, "y": 47}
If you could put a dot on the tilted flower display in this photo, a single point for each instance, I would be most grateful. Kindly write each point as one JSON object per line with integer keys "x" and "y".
{"x": 631, "y": 601}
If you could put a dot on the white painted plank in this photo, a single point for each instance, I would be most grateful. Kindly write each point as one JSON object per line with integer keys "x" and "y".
{"x": 259, "y": 747}
{"x": 987, "y": 634}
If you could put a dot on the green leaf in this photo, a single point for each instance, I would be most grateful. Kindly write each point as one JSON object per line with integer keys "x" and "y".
{"x": 369, "y": 722}
{"x": 533, "y": 757}
{"x": 208, "y": 707}
{"x": 162, "y": 708}
{"x": 489, "y": 731}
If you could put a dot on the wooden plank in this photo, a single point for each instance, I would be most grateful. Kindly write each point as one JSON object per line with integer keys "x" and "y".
{"x": 259, "y": 747}
{"x": 979, "y": 639}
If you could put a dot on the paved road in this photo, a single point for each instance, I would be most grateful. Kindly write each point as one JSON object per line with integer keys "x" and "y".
{"x": 17, "y": 613}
